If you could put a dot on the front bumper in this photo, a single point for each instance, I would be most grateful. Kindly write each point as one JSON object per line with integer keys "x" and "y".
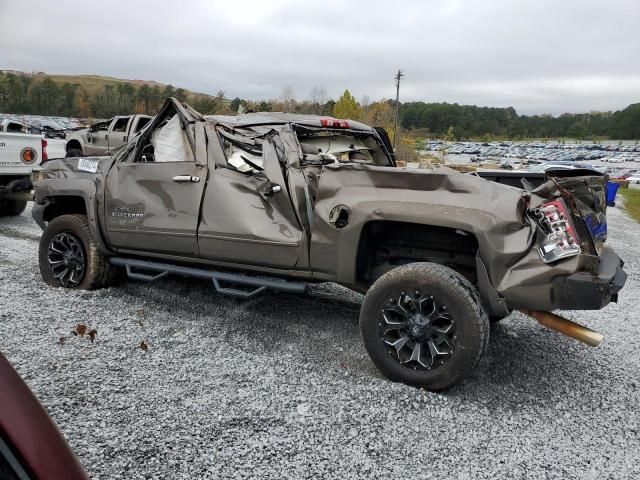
{"x": 37, "y": 212}
{"x": 585, "y": 291}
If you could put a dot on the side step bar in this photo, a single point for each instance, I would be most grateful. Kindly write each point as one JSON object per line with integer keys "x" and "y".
{"x": 161, "y": 270}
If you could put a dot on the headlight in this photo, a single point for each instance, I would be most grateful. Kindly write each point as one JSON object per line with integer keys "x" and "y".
{"x": 561, "y": 239}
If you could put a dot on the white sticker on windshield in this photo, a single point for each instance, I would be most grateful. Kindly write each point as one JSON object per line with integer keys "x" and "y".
{"x": 88, "y": 165}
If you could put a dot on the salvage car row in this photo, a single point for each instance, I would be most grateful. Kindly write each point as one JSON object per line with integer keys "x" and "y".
{"x": 540, "y": 152}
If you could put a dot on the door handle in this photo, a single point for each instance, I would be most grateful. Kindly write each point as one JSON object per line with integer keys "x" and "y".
{"x": 185, "y": 179}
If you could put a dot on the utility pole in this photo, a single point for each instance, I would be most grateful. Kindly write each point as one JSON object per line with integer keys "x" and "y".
{"x": 398, "y": 76}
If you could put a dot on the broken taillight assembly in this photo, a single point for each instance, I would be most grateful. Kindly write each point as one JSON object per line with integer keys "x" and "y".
{"x": 561, "y": 239}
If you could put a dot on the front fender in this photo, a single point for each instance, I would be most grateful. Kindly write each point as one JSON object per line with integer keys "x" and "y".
{"x": 48, "y": 190}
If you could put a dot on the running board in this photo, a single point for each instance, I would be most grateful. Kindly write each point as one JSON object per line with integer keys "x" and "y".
{"x": 161, "y": 270}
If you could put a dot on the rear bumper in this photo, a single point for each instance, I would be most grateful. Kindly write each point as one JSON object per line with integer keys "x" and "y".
{"x": 584, "y": 291}
{"x": 538, "y": 286}
{"x": 17, "y": 189}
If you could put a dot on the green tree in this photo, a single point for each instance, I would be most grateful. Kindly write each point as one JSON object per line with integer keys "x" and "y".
{"x": 577, "y": 130}
{"x": 265, "y": 106}
{"x": 626, "y": 123}
{"x": 156, "y": 99}
{"x": 50, "y": 97}
{"x": 235, "y": 104}
{"x": 381, "y": 114}
{"x": 145, "y": 96}
{"x": 168, "y": 91}
{"x": 68, "y": 94}
{"x": 347, "y": 107}
{"x": 181, "y": 94}
{"x": 450, "y": 135}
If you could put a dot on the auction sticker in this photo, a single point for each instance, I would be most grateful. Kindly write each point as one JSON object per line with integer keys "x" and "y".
{"x": 88, "y": 165}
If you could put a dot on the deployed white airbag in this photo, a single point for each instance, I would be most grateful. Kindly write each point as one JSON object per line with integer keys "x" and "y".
{"x": 170, "y": 143}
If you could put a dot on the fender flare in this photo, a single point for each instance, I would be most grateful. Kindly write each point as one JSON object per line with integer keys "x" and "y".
{"x": 83, "y": 189}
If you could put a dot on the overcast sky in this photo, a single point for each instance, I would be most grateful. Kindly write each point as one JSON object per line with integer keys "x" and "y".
{"x": 539, "y": 56}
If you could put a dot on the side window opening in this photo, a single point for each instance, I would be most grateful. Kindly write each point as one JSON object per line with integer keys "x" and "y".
{"x": 329, "y": 146}
{"x": 121, "y": 124}
{"x": 14, "y": 127}
{"x": 243, "y": 155}
{"x": 166, "y": 142}
{"x": 337, "y": 148}
{"x": 101, "y": 126}
{"x": 142, "y": 121}
{"x": 239, "y": 158}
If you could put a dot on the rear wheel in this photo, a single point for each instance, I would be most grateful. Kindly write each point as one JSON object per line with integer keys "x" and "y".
{"x": 73, "y": 152}
{"x": 69, "y": 256}
{"x": 12, "y": 208}
{"x": 423, "y": 324}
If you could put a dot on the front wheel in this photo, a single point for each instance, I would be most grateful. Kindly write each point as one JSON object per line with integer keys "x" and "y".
{"x": 69, "y": 256}
{"x": 423, "y": 324}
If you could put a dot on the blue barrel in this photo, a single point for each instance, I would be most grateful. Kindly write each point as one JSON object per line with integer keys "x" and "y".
{"x": 612, "y": 190}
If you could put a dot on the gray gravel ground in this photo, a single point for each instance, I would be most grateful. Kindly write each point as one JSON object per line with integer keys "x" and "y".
{"x": 281, "y": 386}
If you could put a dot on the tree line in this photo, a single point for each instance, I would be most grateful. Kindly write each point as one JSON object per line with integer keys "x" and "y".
{"x": 471, "y": 122}
{"x": 24, "y": 94}
{"x": 28, "y": 95}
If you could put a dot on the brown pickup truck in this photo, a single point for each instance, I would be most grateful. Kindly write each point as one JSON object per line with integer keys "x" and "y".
{"x": 278, "y": 201}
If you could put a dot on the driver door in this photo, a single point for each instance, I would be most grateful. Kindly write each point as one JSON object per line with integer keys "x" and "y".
{"x": 153, "y": 206}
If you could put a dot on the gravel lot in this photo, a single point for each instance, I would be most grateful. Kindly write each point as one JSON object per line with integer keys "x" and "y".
{"x": 281, "y": 386}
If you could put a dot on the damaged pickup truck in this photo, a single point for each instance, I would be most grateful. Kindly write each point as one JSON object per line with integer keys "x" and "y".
{"x": 278, "y": 201}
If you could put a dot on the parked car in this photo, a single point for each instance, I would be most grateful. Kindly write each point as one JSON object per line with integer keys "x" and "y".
{"x": 48, "y": 129}
{"x": 560, "y": 165}
{"x": 622, "y": 174}
{"x": 101, "y": 138}
{"x": 633, "y": 179}
{"x": 278, "y": 201}
{"x": 20, "y": 152}
{"x": 31, "y": 447}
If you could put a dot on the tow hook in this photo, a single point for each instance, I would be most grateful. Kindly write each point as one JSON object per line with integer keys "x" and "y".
{"x": 566, "y": 327}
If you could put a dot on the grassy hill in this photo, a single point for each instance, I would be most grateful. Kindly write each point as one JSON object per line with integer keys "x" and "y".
{"x": 94, "y": 84}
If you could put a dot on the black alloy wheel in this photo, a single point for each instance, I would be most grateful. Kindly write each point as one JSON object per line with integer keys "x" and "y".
{"x": 423, "y": 324}
{"x": 67, "y": 259}
{"x": 418, "y": 330}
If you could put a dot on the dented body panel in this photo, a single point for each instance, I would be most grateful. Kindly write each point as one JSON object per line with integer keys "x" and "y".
{"x": 442, "y": 196}
{"x": 295, "y": 206}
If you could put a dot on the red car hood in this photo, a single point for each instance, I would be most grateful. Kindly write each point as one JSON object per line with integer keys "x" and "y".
{"x": 30, "y": 434}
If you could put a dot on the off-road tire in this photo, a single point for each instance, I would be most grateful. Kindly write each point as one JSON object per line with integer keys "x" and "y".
{"x": 12, "y": 208}
{"x": 98, "y": 272}
{"x": 73, "y": 152}
{"x": 462, "y": 301}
